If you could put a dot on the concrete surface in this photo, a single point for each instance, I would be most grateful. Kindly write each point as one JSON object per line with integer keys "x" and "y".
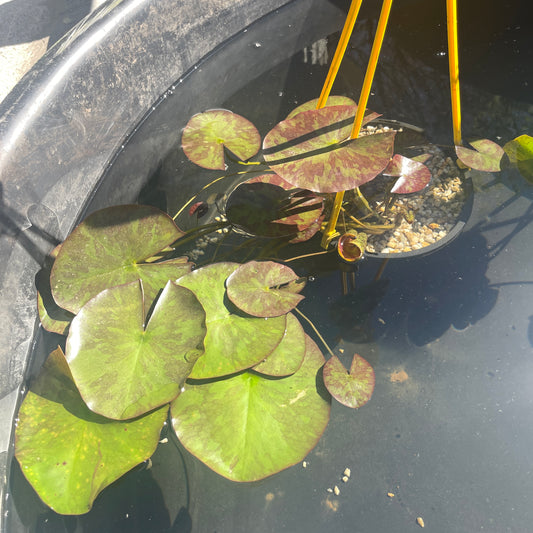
{"x": 28, "y": 28}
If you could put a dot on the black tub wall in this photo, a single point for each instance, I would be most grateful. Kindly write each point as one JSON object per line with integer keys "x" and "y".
{"x": 62, "y": 123}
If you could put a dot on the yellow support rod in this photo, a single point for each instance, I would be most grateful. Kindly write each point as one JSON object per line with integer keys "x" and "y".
{"x": 453, "y": 60}
{"x": 339, "y": 52}
{"x": 371, "y": 69}
{"x": 329, "y": 232}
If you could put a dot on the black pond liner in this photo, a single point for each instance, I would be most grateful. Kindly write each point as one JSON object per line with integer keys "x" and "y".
{"x": 452, "y": 442}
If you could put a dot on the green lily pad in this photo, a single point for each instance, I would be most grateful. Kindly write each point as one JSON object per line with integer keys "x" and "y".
{"x": 264, "y": 288}
{"x": 233, "y": 342}
{"x": 312, "y": 151}
{"x": 331, "y": 101}
{"x": 520, "y": 153}
{"x": 287, "y": 358}
{"x": 248, "y": 427}
{"x": 124, "y": 368}
{"x": 486, "y": 155}
{"x": 70, "y": 454}
{"x": 109, "y": 248}
{"x": 353, "y": 388}
{"x": 207, "y": 133}
{"x": 412, "y": 175}
{"x": 304, "y": 210}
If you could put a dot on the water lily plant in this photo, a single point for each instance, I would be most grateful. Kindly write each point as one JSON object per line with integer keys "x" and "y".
{"x": 218, "y": 350}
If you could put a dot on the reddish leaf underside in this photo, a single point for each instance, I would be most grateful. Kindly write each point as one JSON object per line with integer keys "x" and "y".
{"x": 412, "y": 175}
{"x": 354, "y": 388}
{"x": 207, "y": 133}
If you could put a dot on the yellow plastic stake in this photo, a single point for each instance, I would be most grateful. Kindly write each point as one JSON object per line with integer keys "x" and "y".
{"x": 339, "y": 52}
{"x": 329, "y": 232}
{"x": 453, "y": 57}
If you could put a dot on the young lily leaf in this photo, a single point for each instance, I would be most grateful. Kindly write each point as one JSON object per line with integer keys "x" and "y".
{"x": 207, "y": 133}
{"x": 311, "y": 151}
{"x": 412, "y": 175}
{"x": 486, "y": 155}
{"x": 287, "y": 358}
{"x": 264, "y": 288}
{"x": 70, "y": 454}
{"x": 352, "y": 389}
{"x": 303, "y": 210}
{"x": 233, "y": 342}
{"x": 124, "y": 368}
{"x": 248, "y": 427}
{"x": 520, "y": 153}
{"x": 331, "y": 101}
{"x": 109, "y": 248}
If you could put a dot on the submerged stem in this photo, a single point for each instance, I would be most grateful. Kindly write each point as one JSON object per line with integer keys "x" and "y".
{"x": 316, "y": 331}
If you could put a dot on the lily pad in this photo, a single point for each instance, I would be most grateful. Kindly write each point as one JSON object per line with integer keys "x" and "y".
{"x": 312, "y": 151}
{"x": 353, "y": 388}
{"x": 53, "y": 318}
{"x": 520, "y": 153}
{"x": 70, "y": 454}
{"x": 331, "y": 101}
{"x": 109, "y": 248}
{"x": 287, "y": 358}
{"x": 412, "y": 175}
{"x": 248, "y": 427}
{"x": 264, "y": 288}
{"x": 233, "y": 342}
{"x": 304, "y": 209}
{"x": 486, "y": 155}
{"x": 124, "y": 368}
{"x": 207, "y": 133}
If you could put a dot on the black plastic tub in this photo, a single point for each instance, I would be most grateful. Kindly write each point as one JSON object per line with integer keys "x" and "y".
{"x": 447, "y": 436}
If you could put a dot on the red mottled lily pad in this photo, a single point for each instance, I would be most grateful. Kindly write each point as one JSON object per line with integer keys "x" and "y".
{"x": 248, "y": 427}
{"x": 264, "y": 288}
{"x": 233, "y": 342}
{"x": 206, "y": 135}
{"x": 520, "y": 153}
{"x": 305, "y": 208}
{"x": 125, "y": 367}
{"x": 287, "y": 357}
{"x": 312, "y": 151}
{"x": 412, "y": 175}
{"x": 486, "y": 155}
{"x": 110, "y": 247}
{"x": 353, "y": 388}
{"x": 70, "y": 454}
{"x": 331, "y": 101}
